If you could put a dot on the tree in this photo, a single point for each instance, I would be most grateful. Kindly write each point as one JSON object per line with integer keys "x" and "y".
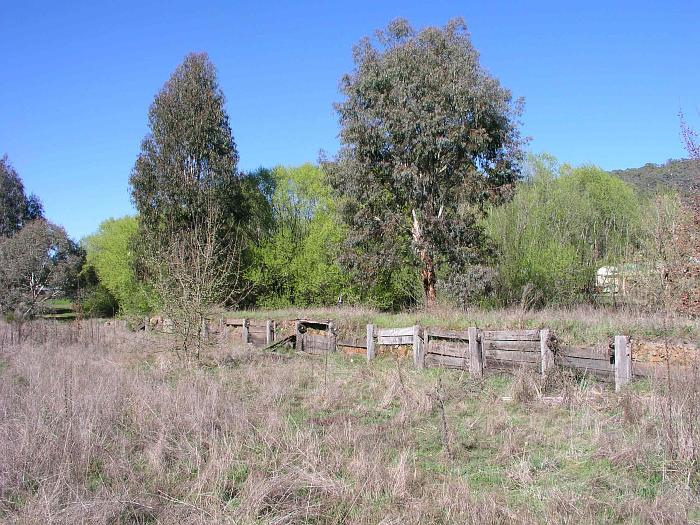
{"x": 189, "y": 197}
{"x": 37, "y": 263}
{"x": 16, "y": 208}
{"x": 427, "y": 137}
{"x": 189, "y": 159}
{"x": 296, "y": 263}
{"x": 110, "y": 252}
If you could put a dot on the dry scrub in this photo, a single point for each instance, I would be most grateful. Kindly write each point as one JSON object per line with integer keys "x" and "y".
{"x": 102, "y": 425}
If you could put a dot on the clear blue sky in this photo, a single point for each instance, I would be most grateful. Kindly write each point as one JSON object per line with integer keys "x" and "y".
{"x": 603, "y": 82}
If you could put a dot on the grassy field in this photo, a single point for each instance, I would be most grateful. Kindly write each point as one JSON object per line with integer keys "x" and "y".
{"x": 102, "y": 425}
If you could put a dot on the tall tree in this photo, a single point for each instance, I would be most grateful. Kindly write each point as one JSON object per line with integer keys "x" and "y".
{"x": 189, "y": 159}
{"x": 427, "y": 137}
{"x": 16, "y": 208}
{"x": 190, "y": 199}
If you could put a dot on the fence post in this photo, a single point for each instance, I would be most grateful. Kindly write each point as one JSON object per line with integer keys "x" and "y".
{"x": 268, "y": 332}
{"x": 297, "y": 331}
{"x": 205, "y": 330}
{"x": 476, "y": 361}
{"x": 370, "y": 342}
{"x": 332, "y": 338}
{"x": 147, "y": 324}
{"x": 546, "y": 354}
{"x": 245, "y": 331}
{"x": 623, "y": 362}
{"x": 418, "y": 357}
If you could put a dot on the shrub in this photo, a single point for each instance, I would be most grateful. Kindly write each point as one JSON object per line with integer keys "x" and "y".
{"x": 562, "y": 224}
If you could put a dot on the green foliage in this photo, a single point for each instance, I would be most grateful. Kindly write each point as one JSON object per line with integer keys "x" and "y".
{"x": 296, "y": 264}
{"x": 562, "y": 224}
{"x": 110, "y": 253}
{"x": 428, "y": 136}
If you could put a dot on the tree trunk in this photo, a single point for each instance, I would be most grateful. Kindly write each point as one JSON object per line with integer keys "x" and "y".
{"x": 429, "y": 278}
{"x": 428, "y": 271}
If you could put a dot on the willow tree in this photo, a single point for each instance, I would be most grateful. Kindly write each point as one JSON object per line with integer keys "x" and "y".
{"x": 427, "y": 137}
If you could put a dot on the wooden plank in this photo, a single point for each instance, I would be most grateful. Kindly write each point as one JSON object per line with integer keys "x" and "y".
{"x": 443, "y": 361}
{"x": 257, "y": 330}
{"x": 451, "y": 348}
{"x": 395, "y": 340}
{"x": 513, "y": 346}
{"x": 499, "y": 364}
{"x": 297, "y": 330}
{"x": 234, "y": 322}
{"x": 511, "y": 335}
{"x": 433, "y": 331}
{"x": 394, "y": 332}
{"x": 583, "y": 353}
{"x": 506, "y": 355}
{"x": 584, "y": 364}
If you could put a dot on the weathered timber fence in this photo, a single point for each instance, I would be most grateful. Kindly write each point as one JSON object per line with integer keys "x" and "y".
{"x": 453, "y": 349}
{"x": 410, "y": 335}
{"x": 315, "y": 337}
{"x": 257, "y": 332}
{"x": 473, "y": 349}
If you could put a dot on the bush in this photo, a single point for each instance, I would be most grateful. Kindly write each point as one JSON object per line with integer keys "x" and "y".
{"x": 109, "y": 252}
{"x": 98, "y": 302}
{"x": 297, "y": 263}
{"x": 561, "y": 226}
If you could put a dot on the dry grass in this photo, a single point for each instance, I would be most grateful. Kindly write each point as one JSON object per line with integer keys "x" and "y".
{"x": 101, "y": 425}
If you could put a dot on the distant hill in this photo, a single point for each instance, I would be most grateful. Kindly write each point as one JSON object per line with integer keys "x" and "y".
{"x": 680, "y": 175}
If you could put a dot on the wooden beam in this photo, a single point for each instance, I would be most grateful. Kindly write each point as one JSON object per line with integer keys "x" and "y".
{"x": 245, "y": 331}
{"x": 546, "y": 354}
{"x": 623, "y": 362}
{"x": 297, "y": 330}
{"x": 476, "y": 359}
{"x": 577, "y": 363}
{"x": 370, "y": 342}
{"x": 269, "y": 332}
{"x": 418, "y": 356}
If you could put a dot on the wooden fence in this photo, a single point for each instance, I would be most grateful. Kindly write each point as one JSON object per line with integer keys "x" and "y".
{"x": 315, "y": 337}
{"x": 257, "y": 332}
{"x": 473, "y": 350}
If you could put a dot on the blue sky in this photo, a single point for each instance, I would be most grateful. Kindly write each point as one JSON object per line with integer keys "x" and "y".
{"x": 602, "y": 82}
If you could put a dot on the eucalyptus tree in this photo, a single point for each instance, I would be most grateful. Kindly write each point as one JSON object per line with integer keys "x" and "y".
{"x": 189, "y": 196}
{"x": 189, "y": 158}
{"x": 427, "y": 137}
